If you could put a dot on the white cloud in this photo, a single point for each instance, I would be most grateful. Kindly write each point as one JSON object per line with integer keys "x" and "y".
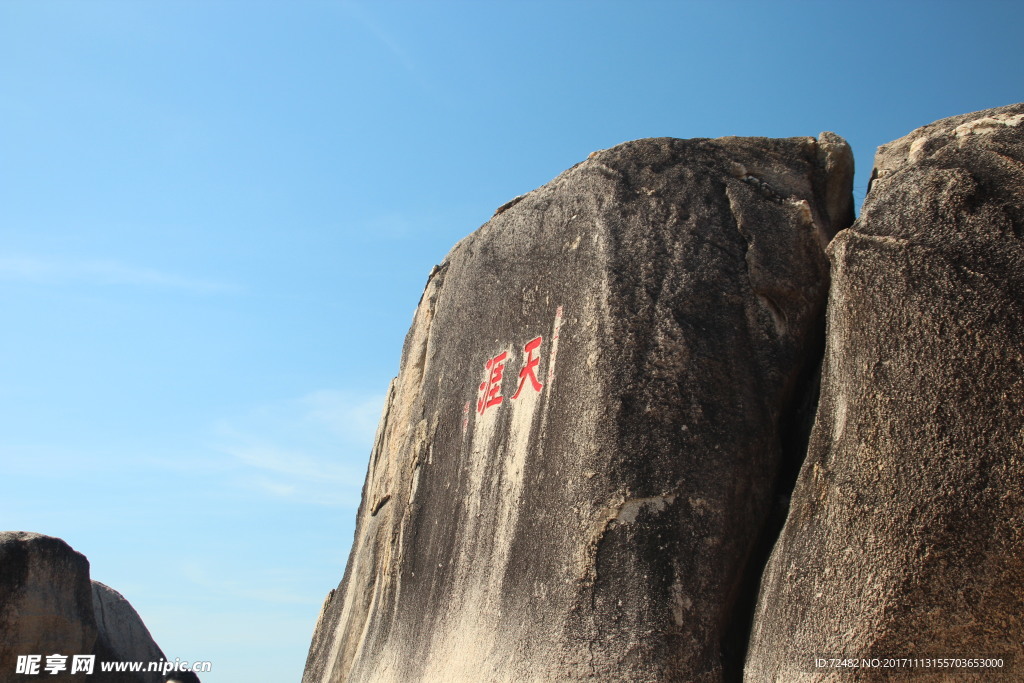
{"x": 312, "y": 449}
{"x": 100, "y": 272}
{"x": 37, "y": 460}
{"x": 267, "y": 590}
{"x": 387, "y": 226}
{"x": 398, "y": 53}
{"x": 350, "y": 417}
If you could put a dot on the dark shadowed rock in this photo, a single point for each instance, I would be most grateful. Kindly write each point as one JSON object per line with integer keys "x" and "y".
{"x": 182, "y": 677}
{"x": 580, "y": 449}
{"x": 49, "y": 606}
{"x": 45, "y": 600}
{"x": 906, "y": 529}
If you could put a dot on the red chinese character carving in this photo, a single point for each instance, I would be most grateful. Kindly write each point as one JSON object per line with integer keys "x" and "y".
{"x": 529, "y": 370}
{"x": 491, "y": 389}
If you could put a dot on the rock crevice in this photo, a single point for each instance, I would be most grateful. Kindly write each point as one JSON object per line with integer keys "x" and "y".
{"x": 906, "y": 521}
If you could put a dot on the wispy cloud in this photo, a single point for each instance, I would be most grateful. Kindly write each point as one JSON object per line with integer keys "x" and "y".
{"x": 268, "y": 590}
{"x": 351, "y": 417}
{"x": 100, "y": 272}
{"x": 387, "y": 226}
{"x": 48, "y": 461}
{"x": 312, "y": 449}
{"x": 388, "y": 41}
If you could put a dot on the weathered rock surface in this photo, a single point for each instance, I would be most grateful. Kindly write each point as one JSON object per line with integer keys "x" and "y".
{"x": 45, "y": 599}
{"x": 48, "y": 605}
{"x": 122, "y": 631}
{"x": 580, "y": 451}
{"x": 906, "y": 529}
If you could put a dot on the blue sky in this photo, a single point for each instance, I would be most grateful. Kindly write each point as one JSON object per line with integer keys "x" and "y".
{"x": 217, "y": 217}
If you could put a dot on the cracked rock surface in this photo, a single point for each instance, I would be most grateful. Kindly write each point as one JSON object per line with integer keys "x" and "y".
{"x": 906, "y": 527}
{"x": 580, "y": 451}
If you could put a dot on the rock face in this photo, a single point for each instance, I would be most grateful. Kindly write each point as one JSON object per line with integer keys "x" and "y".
{"x": 907, "y": 522}
{"x": 579, "y": 455}
{"x": 49, "y": 606}
{"x": 122, "y": 632}
{"x": 45, "y": 599}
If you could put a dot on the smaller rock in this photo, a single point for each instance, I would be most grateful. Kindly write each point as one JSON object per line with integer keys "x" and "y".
{"x": 45, "y": 599}
{"x": 48, "y": 605}
{"x": 122, "y": 631}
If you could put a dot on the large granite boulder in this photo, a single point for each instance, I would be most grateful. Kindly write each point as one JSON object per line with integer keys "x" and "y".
{"x": 578, "y": 458}
{"x": 49, "y": 606}
{"x": 906, "y": 530}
